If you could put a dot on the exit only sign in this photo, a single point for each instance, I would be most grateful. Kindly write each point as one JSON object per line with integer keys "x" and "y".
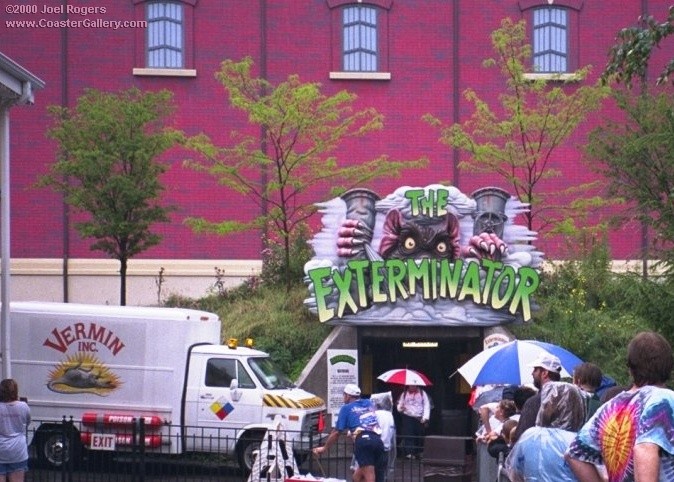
{"x": 102, "y": 441}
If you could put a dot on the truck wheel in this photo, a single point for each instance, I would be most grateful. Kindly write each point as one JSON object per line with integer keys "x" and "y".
{"x": 55, "y": 447}
{"x": 248, "y": 444}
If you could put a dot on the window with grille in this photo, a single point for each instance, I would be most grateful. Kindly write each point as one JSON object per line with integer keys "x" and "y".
{"x": 165, "y": 34}
{"x": 550, "y": 40}
{"x": 360, "y": 39}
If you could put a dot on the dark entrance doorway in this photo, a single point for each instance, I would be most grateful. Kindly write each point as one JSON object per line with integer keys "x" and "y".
{"x": 435, "y": 351}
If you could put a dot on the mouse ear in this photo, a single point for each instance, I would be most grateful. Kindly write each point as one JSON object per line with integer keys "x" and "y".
{"x": 453, "y": 231}
{"x": 391, "y": 232}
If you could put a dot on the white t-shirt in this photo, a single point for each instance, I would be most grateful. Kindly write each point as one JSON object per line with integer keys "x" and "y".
{"x": 415, "y": 404}
{"x": 14, "y": 418}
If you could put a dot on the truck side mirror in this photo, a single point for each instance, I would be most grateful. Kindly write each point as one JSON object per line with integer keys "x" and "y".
{"x": 234, "y": 389}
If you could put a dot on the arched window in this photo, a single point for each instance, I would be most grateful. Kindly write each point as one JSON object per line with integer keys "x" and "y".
{"x": 359, "y": 24}
{"x": 550, "y": 40}
{"x": 553, "y": 28}
{"x": 167, "y": 49}
{"x": 360, "y": 39}
{"x": 165, "y": 35}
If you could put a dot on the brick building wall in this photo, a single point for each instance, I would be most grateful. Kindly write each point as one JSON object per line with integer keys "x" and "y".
{"x": 432, "y": 49}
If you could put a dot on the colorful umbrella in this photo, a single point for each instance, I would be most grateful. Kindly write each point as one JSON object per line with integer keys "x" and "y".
{"x": 405, "y": 376}
{"x": 509, "y": 363}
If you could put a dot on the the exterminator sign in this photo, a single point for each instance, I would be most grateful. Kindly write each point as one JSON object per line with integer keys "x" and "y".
{"x": 423, "y": 255}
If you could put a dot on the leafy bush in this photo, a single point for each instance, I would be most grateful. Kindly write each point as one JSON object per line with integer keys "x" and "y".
{"x": 594, "y": 312}
{"x": 267, "y": 309}
{"x": 275, "y": 318}
{"x": 583, "y": 306}
{"x": 275, "y": 270}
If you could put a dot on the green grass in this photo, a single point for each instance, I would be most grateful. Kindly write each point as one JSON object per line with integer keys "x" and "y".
{"x": 275, "y": 318}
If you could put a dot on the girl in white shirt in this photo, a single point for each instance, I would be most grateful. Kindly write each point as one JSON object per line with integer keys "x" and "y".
{"x": 415, "y": 408}
{"x": 14, "y": 419}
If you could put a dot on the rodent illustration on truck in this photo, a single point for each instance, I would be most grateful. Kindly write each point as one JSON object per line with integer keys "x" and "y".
{"x": 111, "y": 367}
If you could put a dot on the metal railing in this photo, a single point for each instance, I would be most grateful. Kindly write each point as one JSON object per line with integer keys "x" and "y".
{"x": 69, "y": 460}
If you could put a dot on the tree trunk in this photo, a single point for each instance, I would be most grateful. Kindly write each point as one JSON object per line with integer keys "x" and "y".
{"x": 122, "y": 281}
{"x": 286, "y": 255}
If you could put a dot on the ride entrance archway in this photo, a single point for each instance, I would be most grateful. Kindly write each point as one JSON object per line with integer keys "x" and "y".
{"x": 435, "y": 351}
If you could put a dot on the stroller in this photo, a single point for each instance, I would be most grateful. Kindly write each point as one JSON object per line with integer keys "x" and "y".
{"x": 501, "y": 475}
{"x": 499, "y": 449}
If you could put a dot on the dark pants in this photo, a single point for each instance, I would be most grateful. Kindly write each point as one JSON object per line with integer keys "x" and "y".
{"x": 412, "y": 433}
{"x": 381, "y": 469}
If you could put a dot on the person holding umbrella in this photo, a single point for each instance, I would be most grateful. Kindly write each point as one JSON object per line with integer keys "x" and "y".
{"x": 415, "y": 409}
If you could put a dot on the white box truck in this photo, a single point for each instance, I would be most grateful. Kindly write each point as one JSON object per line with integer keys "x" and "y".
{"x": 108, "y": 367}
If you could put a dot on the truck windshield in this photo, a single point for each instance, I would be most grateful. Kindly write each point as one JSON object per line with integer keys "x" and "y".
{"x": 269, "y": 374}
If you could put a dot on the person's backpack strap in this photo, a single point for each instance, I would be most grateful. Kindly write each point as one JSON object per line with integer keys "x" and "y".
{"x": 593, "y": 403}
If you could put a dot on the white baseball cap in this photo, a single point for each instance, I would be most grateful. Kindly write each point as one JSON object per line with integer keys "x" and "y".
{"x": 548, "y": 362}
{"x": 352, "y": 390}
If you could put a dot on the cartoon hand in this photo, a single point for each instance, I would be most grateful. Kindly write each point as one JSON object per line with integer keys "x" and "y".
{"x": 485, "y": 245}
{"x": 353, "y": 235}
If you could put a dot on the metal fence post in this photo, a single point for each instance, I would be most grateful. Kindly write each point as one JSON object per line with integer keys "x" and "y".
{"x": 68, "y": 449}
{"x": 141, "y": 451}
{"x": 63, "y": 441}
{"x": 134, "y": 449}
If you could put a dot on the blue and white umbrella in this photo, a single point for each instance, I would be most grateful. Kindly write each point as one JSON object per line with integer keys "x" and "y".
{"x": 508, "y": 363}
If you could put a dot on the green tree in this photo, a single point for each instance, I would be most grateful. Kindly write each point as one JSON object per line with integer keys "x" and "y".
{"x": 629, "y": 57}
{"x": 108, "y": 167}
{"x": 594, "y": 312}
{"x": 301, "y": 128}
{"x": 517, "y": 141}
{"x": 636, "y": 156}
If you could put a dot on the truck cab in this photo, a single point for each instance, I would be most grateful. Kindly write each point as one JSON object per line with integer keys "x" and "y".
{"x": 240, "y": 389}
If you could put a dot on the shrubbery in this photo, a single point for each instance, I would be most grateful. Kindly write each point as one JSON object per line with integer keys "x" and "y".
{"x": 593, "y": 312}
{"x": 267, "y": 311}
{"x": 583, "y": 307}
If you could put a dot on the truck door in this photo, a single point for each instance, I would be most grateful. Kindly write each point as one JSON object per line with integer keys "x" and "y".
{"x": 223, "y": 406}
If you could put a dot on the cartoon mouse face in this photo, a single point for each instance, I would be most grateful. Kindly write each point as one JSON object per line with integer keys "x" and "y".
{"x": 437, "y": 239}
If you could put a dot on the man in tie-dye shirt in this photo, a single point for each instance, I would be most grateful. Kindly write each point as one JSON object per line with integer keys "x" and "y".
{"x": 632, "y": 435}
